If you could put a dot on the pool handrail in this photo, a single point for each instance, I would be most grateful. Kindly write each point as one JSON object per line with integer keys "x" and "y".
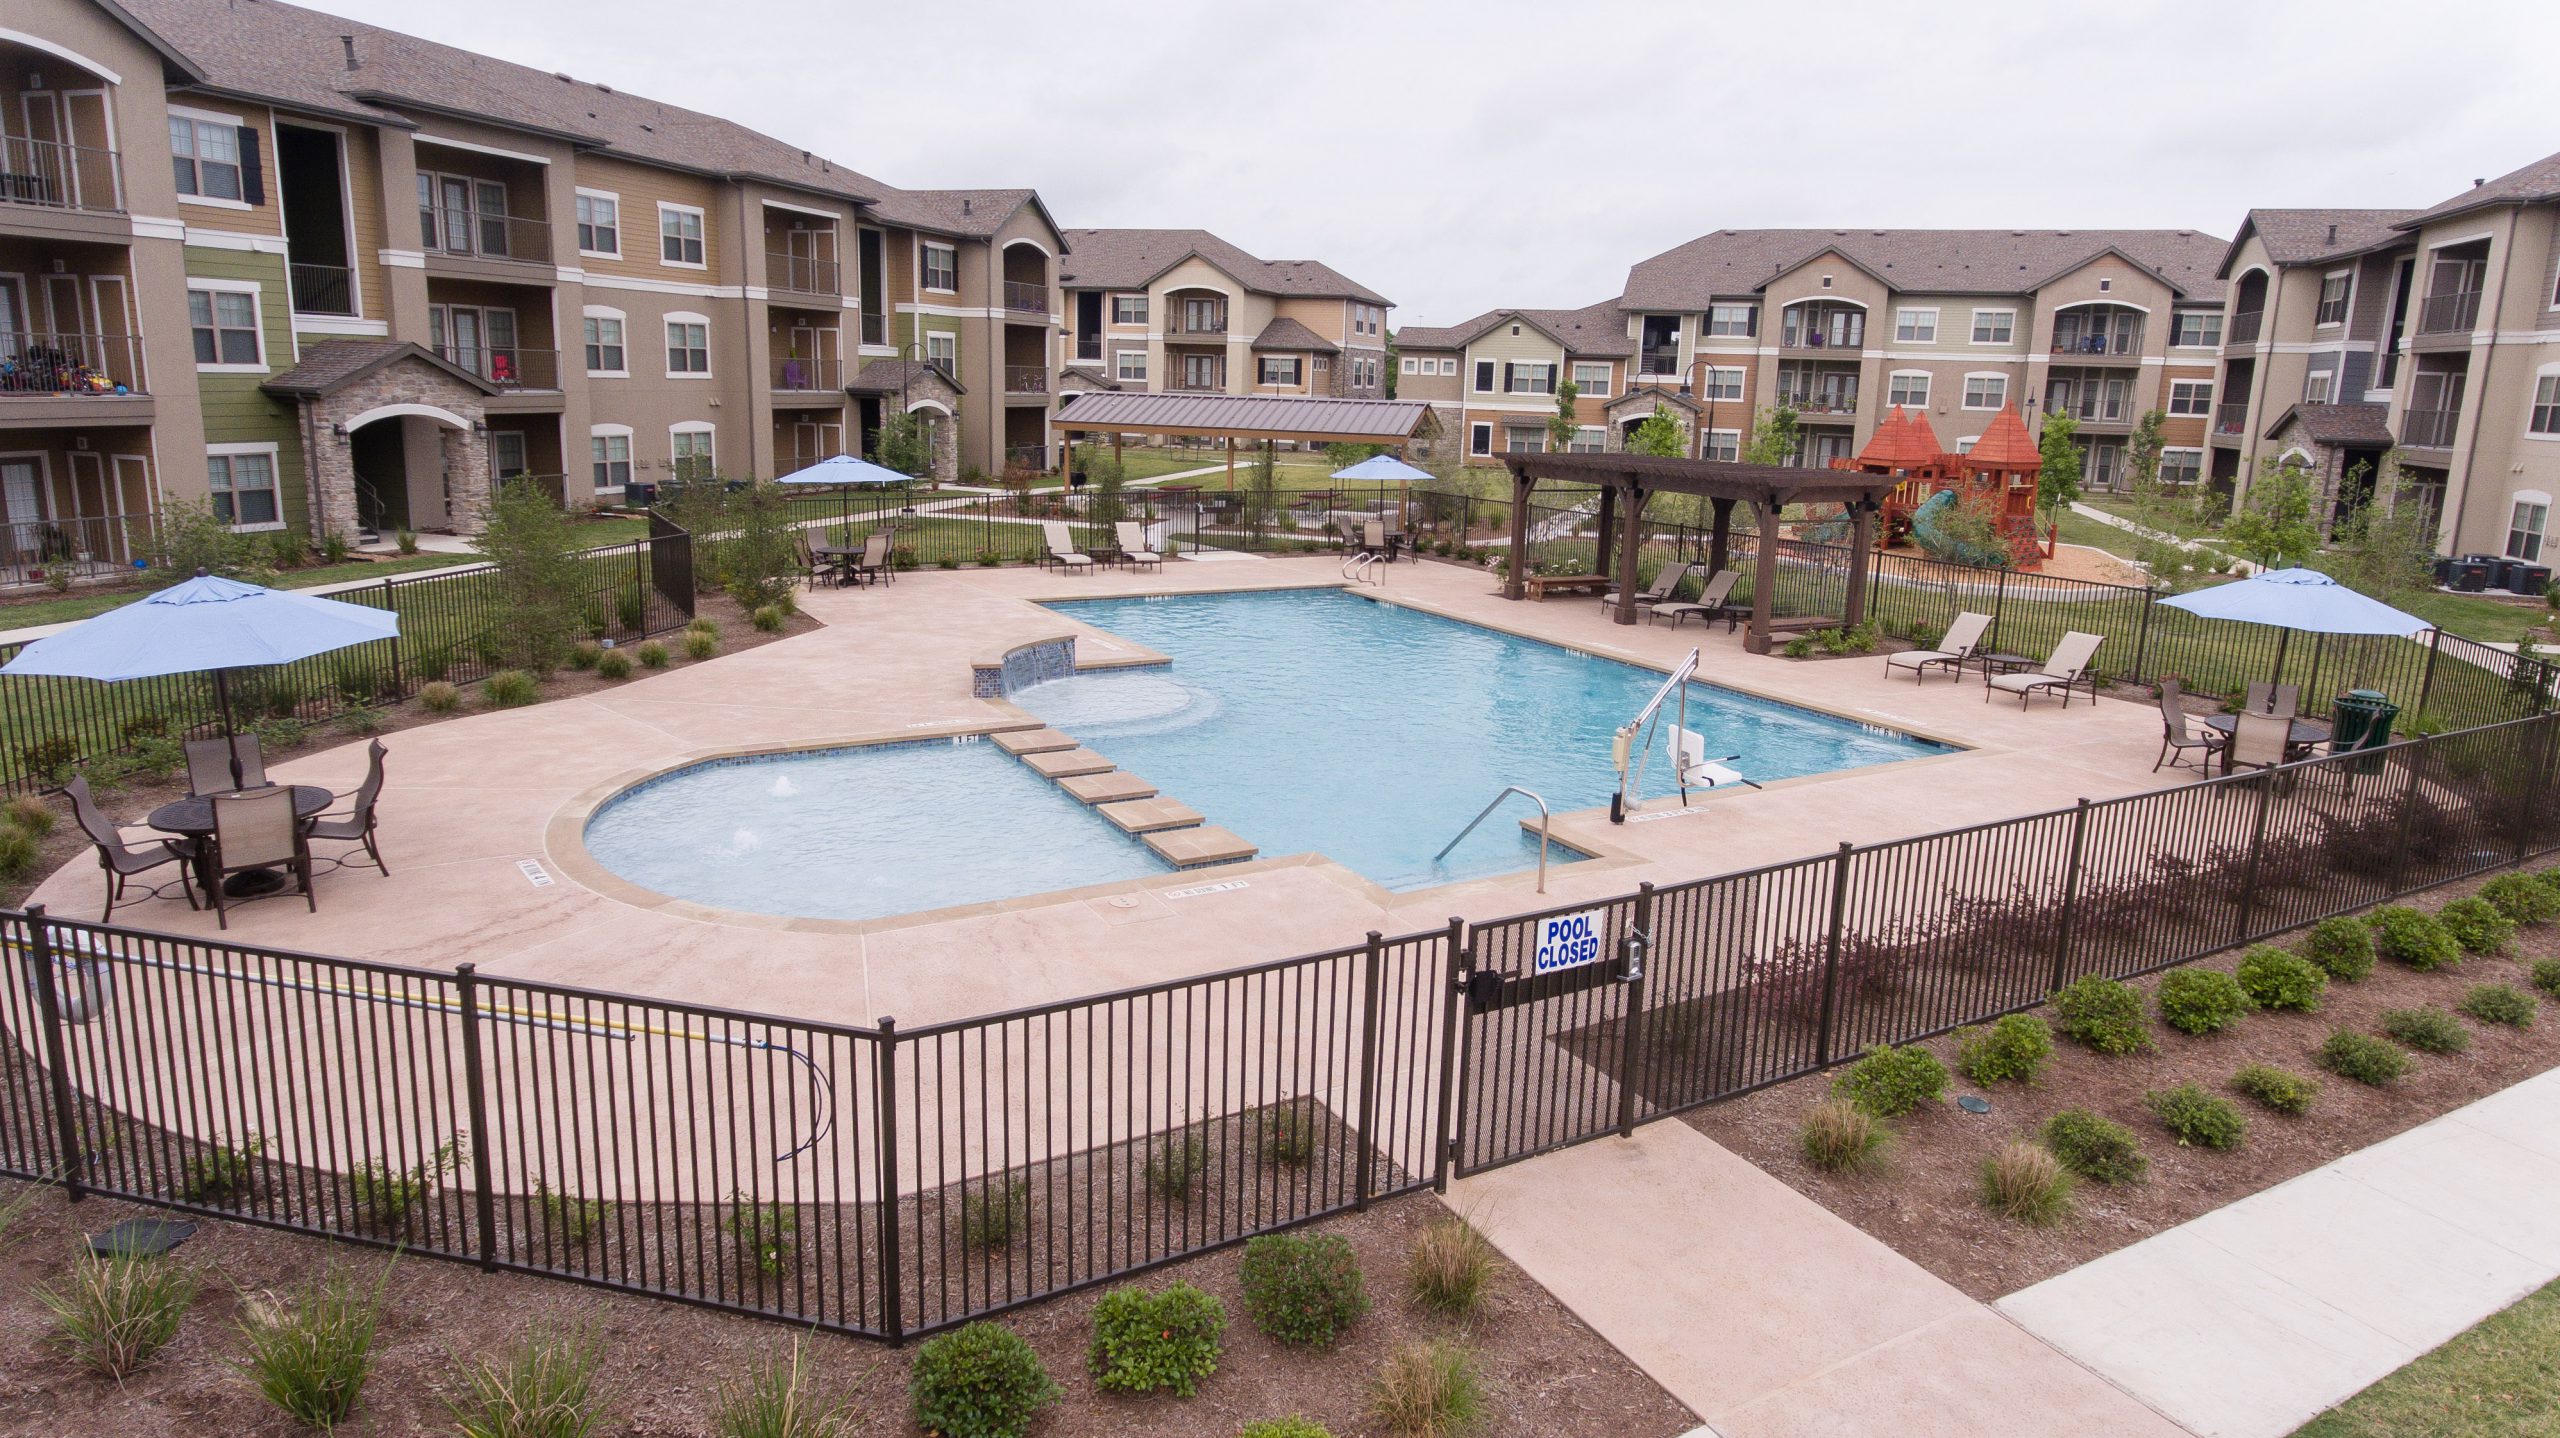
{"x": 1545, "y": 818}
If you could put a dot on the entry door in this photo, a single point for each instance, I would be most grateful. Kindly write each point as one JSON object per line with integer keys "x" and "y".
{"x": 93, "y": 167}
{"x": 21, "y": 495}
{"x": 15, "y": 321}
{"x": 465, "y": 348}
{"x": 132, "y": 505}
{"x": 65, "y": 314}
{"x": 88, "y": 487}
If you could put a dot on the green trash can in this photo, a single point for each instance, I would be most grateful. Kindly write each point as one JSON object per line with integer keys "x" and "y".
{"x": 2361, "y": 724}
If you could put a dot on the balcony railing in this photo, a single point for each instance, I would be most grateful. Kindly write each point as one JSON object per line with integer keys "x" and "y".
{"x": 476, "y": 234}
{"x": 2429, "y": 428}
{"x": 2081, "y": 342}
{"x": 1207, "y": 329}
{"x": 509, "y": 367}
{"x": 2231, "y": 417}
{"x": 794, "y": 375}
{"x": 1032, "y": 457}
{"x": 322, "y": 289}
{"x": 1026, "y": 379}
{"x": 2244, "y": 327}
{"x": 1814, "y": 339}
{"x": 1088, "y": 347}
{"x": 2442, "y": 314}
{"x": 800, "y": 274}
{"x": 1820, "y": 401}
{"x": 2092, "y": 411}
{"x": 1029, "y": 298}
{"x": 1185, "y": 386}
{"x": 49, "y": 174}
{"x": 875, "y": 328}
{"x": 32, "y": 550}
{"x": 1661, "y": 363}
{"x": 37, "y": 363}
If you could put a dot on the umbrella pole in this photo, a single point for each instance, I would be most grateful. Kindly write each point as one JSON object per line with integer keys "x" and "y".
{"x": 2283, "y": 637}
{"x": 230, "y": 746}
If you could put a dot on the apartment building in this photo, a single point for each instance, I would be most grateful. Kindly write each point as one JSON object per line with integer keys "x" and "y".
{"x": 356, "y": 276}
{"x": 1492, "y": 381}
{"x": 1184, "y": 311}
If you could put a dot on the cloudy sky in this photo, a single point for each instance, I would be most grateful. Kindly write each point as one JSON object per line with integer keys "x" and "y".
{"x": 1458, "y": 156}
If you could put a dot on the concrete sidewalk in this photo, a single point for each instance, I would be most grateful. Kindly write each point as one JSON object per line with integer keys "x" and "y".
{"x": 1767, "y": 1314}
{"x": 2248, "y": 1321}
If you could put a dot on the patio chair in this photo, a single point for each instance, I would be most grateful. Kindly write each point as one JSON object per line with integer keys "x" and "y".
{"x": 2066, "y": 669}
{"x": 2177, "y": 736}
{"x": 209, "y": 765}
{"x": 817, "y": 571}
{"x": 1375, "y": 539}
{"x": 2284, "y": 700}
{"x": 2257, "y": 742}
{"x": 1062, "y": 547}
{"x": 356, "y": 825}
{"x": 877, "y": 563}
{"x": 1666, "y": 582}
{"x": 1713, "y": 602}
{"x": 1133, "y": 543}
{"x": 255, "y": 829}
{"x": 120, "y": 860}
{"x": 1956, "y": 649}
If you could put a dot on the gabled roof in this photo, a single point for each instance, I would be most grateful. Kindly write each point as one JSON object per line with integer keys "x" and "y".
{"x": 1852, "y": 261}
{"x": 2307, "y": 237}
{"x": 332, "y": 365}
{"x": 1288, "y": 334}
{"x": 888, "y": 376}
{"x": 1089, "y": 375}
{"x": 2357, "y": 424}
{"x": 1594, "y": 331}
{"x": 2100, "y": 253}
{"x": 2530, "y": 185}
{"x": 969, "y": 214}
{"x": 1132, "y": 259}
{"x": 2006, "y": 444}
{"x": 1740, "y": 263}
{"x": 175, "y": 67}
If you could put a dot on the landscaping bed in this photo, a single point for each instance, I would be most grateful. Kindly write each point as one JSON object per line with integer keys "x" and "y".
{"x": 1926, "y": 1200}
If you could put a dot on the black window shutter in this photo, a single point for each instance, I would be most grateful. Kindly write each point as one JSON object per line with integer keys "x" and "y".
{"x": 1551, "y": 379}
{"x": 1506, "y": 376}
{"x": 253, "y": 175}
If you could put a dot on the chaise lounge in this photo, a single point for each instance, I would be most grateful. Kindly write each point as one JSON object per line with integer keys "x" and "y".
{"x": 2066, "y": 669}
{"x": 1955, "y": 650}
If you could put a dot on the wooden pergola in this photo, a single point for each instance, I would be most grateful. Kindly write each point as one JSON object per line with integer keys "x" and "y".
{"x": 1626, "y": 481}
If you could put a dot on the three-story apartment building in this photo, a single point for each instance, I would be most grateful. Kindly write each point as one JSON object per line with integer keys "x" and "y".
{"x": 1169, "y": 311}
{"x": 1493, "y": 380}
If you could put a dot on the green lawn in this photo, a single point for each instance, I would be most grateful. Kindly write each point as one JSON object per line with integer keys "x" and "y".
{"x": 2501, "y": 1377}
{"x": 2179, "y": 520}
{"x": 81, "y": 606}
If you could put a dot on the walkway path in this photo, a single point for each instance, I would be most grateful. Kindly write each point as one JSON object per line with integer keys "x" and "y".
{"x": 2246, "y": 1322}
{"x": 1770, "y": 1316}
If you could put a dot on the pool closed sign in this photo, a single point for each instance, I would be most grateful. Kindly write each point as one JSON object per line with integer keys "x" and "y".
{"x": 1567, "y": 941}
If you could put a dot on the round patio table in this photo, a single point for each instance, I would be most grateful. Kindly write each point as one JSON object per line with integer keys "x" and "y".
{"x": 2302, "y": 735}
{"x": 193, "y": 817}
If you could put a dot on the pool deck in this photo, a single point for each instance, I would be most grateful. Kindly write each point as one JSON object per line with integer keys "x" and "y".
{"x": 468, "y": 802}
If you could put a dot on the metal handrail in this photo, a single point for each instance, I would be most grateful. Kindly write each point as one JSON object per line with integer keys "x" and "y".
{"x": 1544, "y": 819}
{"x": 1357, "y": 567}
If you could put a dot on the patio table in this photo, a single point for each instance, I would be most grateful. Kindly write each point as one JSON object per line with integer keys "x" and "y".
{"x": 193, "y": 818}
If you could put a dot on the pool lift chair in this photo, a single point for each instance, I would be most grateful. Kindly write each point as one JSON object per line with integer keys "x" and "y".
{"x": 1632, "y": 747}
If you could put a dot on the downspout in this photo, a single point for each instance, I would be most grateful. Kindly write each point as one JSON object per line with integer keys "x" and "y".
{"x": 2455, "y": 497}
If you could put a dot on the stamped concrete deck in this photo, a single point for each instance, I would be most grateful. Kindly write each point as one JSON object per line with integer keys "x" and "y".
{"x": 468, "y": 801}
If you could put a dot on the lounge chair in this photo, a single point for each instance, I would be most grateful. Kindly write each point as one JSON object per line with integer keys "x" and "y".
{"x": 356, "y": 825}
{"x": 2177, "y": 736}
{"x": 2066, "y": 669}
{"x": 255, "y": 829}
{"x": 1133, "y": 543}
{"x": 1062, "y": 547}
{"x": 1955, "y": 650}
{"x": 2284, "y": 700}
{"x": 2258, "y": 741}
{"x": 1666, "y": 582}
{"x": 209, "y": 765}
{"x": 121, "y": 860}
{"x": 1713, "y": 602}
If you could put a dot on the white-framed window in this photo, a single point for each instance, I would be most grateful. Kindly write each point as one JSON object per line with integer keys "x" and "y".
{"x": 2318, "y": 385}
{"x": 1986, "y": 391}
{"x": 942, "y": 350}
{"x": 2196, "y": 329}
{"x": 2335, "y": 288}
{"x": 1723, "y": 382}
{"x": 229, "y": 329}
{"x": 2545, "y": 417}
{"x": 1966, "y": 444}
{"x": 1524, "y": 441}
{"x": 2181, "y": 466}
{"x": 688, "y": 346}
{"x": 1720, "y": 444}
{"x": 1915, "y": 326}
{"x": 1908, "y": 388}
{"x": 1532, "y": 379}
{"x": 1131, "y": 364}
{"x": 242, "y": 481}
{"x": 1449, "y": 365}
{"x": 601, "y": 329}
{"x": 1407, "y": 367}
{"x": 1479, "y": 439}
{"x": 941, "y": 267}
{"x": 680, "y": 240}
{"x": 1128, "y": 309}
{"x": 1994, "y": 327}
{"x": 2524, "y": 525}
{"x": 2191, "y": 396}
{"x": 1589, "y": 439}
{"x": 1737, "y": 320}
{"x": 205, "y": 152}
{"x": 609, "y": 451}
{"x": 691, "y": 453}
{"x": 600, "y": 224}
{"x": 1591, "y": 379}
{"x": 1276, "y": 369}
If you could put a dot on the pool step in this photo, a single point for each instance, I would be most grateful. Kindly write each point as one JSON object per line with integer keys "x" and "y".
{"x": 1069, "y": 763}
{"x": 1018, "y": 742}
{"x": 1111, "y": 788}
{"x": 1199, "y": 847}
{"x": 1146, "y": 816}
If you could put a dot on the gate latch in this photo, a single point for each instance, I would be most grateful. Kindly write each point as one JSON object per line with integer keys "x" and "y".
{"x": 1637, "y": 942}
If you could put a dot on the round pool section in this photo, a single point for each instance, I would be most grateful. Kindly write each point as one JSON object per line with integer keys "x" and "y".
{"x": 859, "y": 833}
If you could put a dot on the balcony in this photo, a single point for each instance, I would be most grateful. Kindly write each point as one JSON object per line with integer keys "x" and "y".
{"x": 2429, "y": 428}
{"x": 1817, "y": 339}
{"x": 36, "y": 364}
{"x": 1026, "y": 298}
{"x": 455, "y": 233}
{"x": 1658, "y": 363}
{"x": 801, "y": 274}
{"x": 2449, "y": 313}
{"x": 509, "y": 367}
{"x": 2244, "y": 327}
{"x": 50, "y": 175}
{"x": 2231, "y": 417}
{"x": 2088, "y": 346}
{"x": 1203, "y": 332}
{"x": 793, "y": 375}
{"x": 1088, "y": 347}
{"x": 2100, "y": 412}
{"x": 1026, "y": 379}
{"x": 322, "y": 289}
{"x": 93, "y": 547}
{"x": 1031, "y": 457}
{"x": 1818, "y": 403}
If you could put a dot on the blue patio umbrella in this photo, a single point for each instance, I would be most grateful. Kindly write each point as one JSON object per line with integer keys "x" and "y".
{"x": 846, "y": 473}
{"x": 2304, "y": 599}
{"x": 206, "y": 624}
{"x": 1382, "y": 467}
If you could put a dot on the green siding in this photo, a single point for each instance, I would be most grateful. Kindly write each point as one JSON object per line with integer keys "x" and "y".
{"x": 235, "y": 410}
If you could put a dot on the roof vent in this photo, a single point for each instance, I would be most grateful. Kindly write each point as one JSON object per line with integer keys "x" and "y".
{"x": 2477, "y": 182}
{"x": 964, "y": 204}
{"x": 349, "y": 41}
{"x": 600, "y": 85}
{"x": 563, "y": 77}
{"x": 2333, "y": 234}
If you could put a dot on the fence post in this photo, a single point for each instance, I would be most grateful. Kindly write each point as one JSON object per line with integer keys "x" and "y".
{"x": 2541, "y": 785}
{"x": 391, "y": 606}
{"x": 1444, "y": 1141}
{"x": 640, "y": 578}
{"x": 1831, "y": 951}
{"x": 2416, "y": 751}
{"x": 2142, "y": 640}
{"x": 2257, "y": 847}
{"x": 884, "y": 1096}
{"x": 1631, "y": 1037}
{"x": 1371, "y": 978}
{"x": 484, "y": 1196}
{"x": 66, "y": 1122}
{"x": 2427, "y": 680}
{"x": 2070, "y": 894}
{"x": 1999, "y": 601}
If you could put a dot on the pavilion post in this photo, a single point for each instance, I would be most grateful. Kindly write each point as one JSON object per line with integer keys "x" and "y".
{"x": 1607, "y": 536}
{"x": 1630, "y": 540}
{"x": 1231, "y": 464}
{"x": 1515, "y": 580}
{"x": 1862, "y": 534}
{"x": 1764, "y": 577}
{"x": 1720, "y": 543}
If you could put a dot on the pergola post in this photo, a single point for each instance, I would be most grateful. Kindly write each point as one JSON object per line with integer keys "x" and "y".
{"x": 1630, "y": 540}
{"x": 1231, "y": 464}
{"x": 1606, "y": 537}
{"x": 1862, "y": 544}
{"x": 1720, "y": 541}
{"x": 1764, "y": 577}
{"x": 1514, "y": 581}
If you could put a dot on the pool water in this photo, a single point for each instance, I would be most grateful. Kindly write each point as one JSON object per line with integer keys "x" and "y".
{"x": 1321, "y": 721}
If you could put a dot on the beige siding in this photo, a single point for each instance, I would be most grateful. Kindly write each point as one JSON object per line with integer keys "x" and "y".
{"x": 641, "y": 189}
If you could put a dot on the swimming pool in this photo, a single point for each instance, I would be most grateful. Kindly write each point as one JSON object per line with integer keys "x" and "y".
{"x": 1319, "y": 720}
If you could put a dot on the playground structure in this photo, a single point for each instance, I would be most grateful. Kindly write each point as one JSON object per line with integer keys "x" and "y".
{"x": 1998, "y": 473}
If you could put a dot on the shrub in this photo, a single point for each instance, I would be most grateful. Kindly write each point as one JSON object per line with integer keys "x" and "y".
{"x": 991, "y": 1212}
{"x": 2104, "y": 1014}
{"x": 312, "y": 1359}
{"x": 1176, "y": 1163}
{"x": 2500, "y": 1004}
{"x": 1428, "y": 1390}
{"x": 567, "y": 1217}
{"x": 2523, "y": 898}
{"x": 2280, "y": 1089}
{"x": 287, "y": 733}
{"x": 767, "y": 619}
{"x": 2014, "y": 1049}
{"x": 2546, "y": 976}
{"x": 117, "y": 1312}
{"x": 1890, "y": 1082}
{"x": 2362, "y": 1058}
{"x": 1289, "y": 1134}
{"x": 31, "y": 814}
{"x": 2201, "y": 1001}
{"x": 1840, "y": 1137}
{"x": 1143, "y": 1342}
{"x": 384, "y": 1195}
{"x": 542, "y": 1387}
{"x": 698, "y": 645}
{"x": 2430, "y": 1031}
{"x": 2275, "y": 979}
{"x": 220, "y": 1172}
{"x": 613, "y": 664}
{"x": 1452, "y": 1267}
{"x": 978, "y": 1381}
{"x": 2094, "y": 1147}
{"x": 585, "y": 654}
{"x": 1292, "y": 1426}
{"x": 2197, "y": 1119}
{"x": 703, "y": 624}
{"x": 510, "y": 689}
{"x": 651, "y": 654}
{"x": 438, "y": 697}
{"x": 2476, "y": 924}
{"x": 1302, "y": 1289}
{"x": 362, "y": 723}
{"x": 2407, "y": 936}
{"x": 49, "y": 759}
{"x": 2027, "y": 1183}
{"x": 767, "y": 1233}
{"x": 776, "y": 1401}
{"x": 18, "y": 852}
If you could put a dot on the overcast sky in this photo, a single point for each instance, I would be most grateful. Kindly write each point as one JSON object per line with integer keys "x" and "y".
{"x": 1459, "y": 156}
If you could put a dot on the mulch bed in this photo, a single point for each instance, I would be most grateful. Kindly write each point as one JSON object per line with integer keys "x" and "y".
{"x": 664, "y": 1363}
{"x": 1925, "y": 1203}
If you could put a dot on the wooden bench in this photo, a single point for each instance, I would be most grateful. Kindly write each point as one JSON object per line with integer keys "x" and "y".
{"x": 1539, "y": 586}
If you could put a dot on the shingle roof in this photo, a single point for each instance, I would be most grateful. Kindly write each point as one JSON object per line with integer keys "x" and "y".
{"x": 1739, "y": 262}
{"x": 975, "y": 214}
{"x": 1281, "y": 416}
{"x": 331, "y": 365}
{"x": 2534, "y": 183}
{"x": 2338, "y": 423}
{"x": 887, "y": 376}
{"x": 1089, "y": 375}
{"x": 2302, "y": 237}
{"x": 1288, "y": 334}
{"x": 1598, "y": 331}
{"x": 1130, "y": 259}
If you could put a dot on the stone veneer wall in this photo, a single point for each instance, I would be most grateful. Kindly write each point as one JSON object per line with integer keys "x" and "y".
{"x": 333, "y": 470}
{"x": 1022, "y": 667}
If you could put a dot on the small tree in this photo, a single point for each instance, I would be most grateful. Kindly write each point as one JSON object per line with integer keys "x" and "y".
{"x": 1774, "y": 436}
{"x": 2386, "y": 548}
{"x": 2142, "y": 454}
{"x": 1261, "y": 493}
{"x": 1343, "y": 456}
{"x": 904, "y": 443}
{"x": 1658, "y": 435}
{"x": 2273, "y": 524}
{"x": 761, "y": 562}
{"x": 1108, "y": 480}
{"x": 192, "y": 537}
{"x": 1564, "y": 423}
{"x": 2058, "y": 483}
{"x": 541, "y": 581}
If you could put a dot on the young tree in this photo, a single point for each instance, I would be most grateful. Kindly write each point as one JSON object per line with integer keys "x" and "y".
{"x": 760, "y": 561}
{"x": 541, "y": 581}
{"x": 1564, "y": 423}
{"x": 2142, "y": 455}
{"x": 2058, "y": 483}
{"x": 1658, "y": 435}
{"x": 1774, "y": 436}
{"x": 192, "y": 537}
{"x": 1107, "y": 481}
{"x": 1342, "y": 455}
{"x": 2273, "y": 527}
{"x": 904, "y": 444}
{"x": 2386, "y": 548}
{"x": 1261, "y": 493}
